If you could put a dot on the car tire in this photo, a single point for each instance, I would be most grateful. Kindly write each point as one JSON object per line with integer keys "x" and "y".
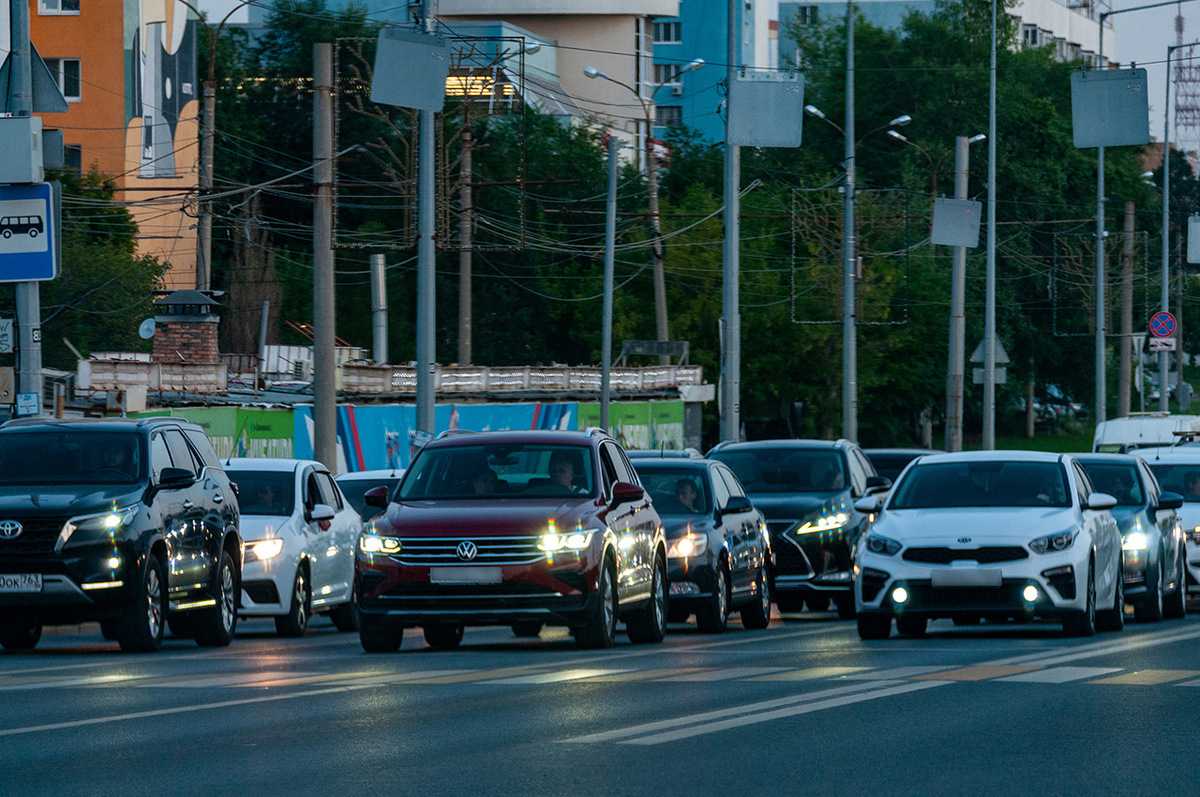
{"x": 601, "y": 628}
{"x": 19, "y": 633}
{"x": 1175, "y": 606}
{"x": 1083, "y": 623}
{"x": 845, "y": 607}
{"x": 713, "y": 616}
{"x": 911, "y": 624}
{"x": 1150, "y": 608}
{"x": 295, "y": 622}
{"x": 874, "y": 626}
{"x": 527, "y": 629}
{"x": 1113, "y": 618}
{"x": 140, "y": 626}
{"x": 757, "y": 615}
{"x": 443, "y": 636}
{"x": 649, "y": 624}
{"x": 376, "y": 636}
{"x": 215, "y": 626}
{"x": 817, "y": 603}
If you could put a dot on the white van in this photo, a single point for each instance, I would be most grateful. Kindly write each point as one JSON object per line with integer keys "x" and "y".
{"x": 1142, "y": 429}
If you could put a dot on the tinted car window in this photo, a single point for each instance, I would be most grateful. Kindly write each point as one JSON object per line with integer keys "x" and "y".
{"x": 731, "y": 482}
{"x": 329, "y": 493}
{"x": 786, "y": 470}
{"x": 56, "y": 457}
{"x": 181, "y": 454}
{"x": 160, "y": 457}
{"x": 354, "y": 489}
{"x": 265, "y": 492}
{"x": 859, "y": 468}
{"x": 671, "y": 488}
{"x": 982, "y": 483}
{"x": 1178, "y": 478}
{"x": 1119, "y": 479}
{"x": 497, "y": 470}
{"x": 203, "y": 447}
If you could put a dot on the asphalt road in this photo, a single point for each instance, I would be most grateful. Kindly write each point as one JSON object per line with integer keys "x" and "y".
{"x": 801, "y": 707}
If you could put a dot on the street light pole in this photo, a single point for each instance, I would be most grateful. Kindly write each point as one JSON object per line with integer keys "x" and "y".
{"x": 610, "y": 237}
{"x": 849, "y": 319}
{"x": 989, "y": 324}
{"x": 731, "y": 320}
{"x": 958, "y": 321}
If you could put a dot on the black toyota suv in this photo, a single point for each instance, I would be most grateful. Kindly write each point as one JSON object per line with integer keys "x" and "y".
{"x": 807, "y": 490}
{"x": 131, "y": 523}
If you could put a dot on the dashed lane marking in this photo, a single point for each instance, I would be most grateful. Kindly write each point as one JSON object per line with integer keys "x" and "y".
{"x": 1148, "y": 677}
{"x": 810, "y": 674}
{"x": 642, "y": 675}
{"x": 554, "y": 677}
{"x": 899, "y": 673}
{"x": 729, "y": 674}
{"x": 983, "y": 672}
{"x": 479, "y": 675}
{"x": 1060, "y": 675}
{"x": 1094, "y": 650}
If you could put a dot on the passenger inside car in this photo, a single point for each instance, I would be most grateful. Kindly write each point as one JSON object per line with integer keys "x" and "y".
{"x": 688, "y": 496}
{"x": 1191, "y": 485}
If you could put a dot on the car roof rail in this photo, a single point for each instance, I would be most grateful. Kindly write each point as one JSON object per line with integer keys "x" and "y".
{"x": 454, "y": 433}
{"x": 596, "y": 430}
{"x": 721, "y": 445}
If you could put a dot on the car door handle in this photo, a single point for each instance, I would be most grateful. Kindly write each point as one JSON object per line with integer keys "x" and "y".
{"x": 188, "y": 504}
{"x": 218, "y": 499}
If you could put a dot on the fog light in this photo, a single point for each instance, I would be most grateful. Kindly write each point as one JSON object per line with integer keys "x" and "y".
{"x": 113, "y": 563}
{"x": 899, "y": 595}
{"x": 1030, "y": 593}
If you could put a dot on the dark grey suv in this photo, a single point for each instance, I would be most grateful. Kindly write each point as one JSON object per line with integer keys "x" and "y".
{"x": 131, "y": 523}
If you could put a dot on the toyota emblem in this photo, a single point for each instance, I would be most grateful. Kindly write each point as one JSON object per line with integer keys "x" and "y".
{"x": 9, "y": 529}
{"x": 466, "y": 549}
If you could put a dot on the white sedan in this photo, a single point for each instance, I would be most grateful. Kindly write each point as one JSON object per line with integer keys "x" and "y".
{"x": 299, "y": 534}
{"x": 990, "y": 534}
{"x": 1177, "y": 469}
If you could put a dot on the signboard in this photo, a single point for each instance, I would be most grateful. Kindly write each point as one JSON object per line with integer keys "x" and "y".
{"x": 1162, "y": 344}
{"x": 956, "y": 222}
{"x": 1193, "y": 239}
{"x": 1001, "y": 376}
{"x": 980, "y": 353}
{"x": 1110, "y": 108}
{"x": 1162, "y": 325}
{"x": 765, "y": 109}
{"x": 410, "y": 69}
{"x": 6, "y": 336}
{"x": 28, "y": 249}
{"x": 27, "y": 404}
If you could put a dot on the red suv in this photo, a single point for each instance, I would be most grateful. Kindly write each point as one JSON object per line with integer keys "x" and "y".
{"x": 521, "y": 528}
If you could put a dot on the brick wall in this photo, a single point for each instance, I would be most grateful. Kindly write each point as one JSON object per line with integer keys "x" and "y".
{"x": 192, "y": 341}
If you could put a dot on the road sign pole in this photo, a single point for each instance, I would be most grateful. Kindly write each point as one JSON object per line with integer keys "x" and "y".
{"x": 28, "y": 296}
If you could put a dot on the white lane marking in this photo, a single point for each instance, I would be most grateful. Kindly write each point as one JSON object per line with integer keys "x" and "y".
{"x": 902, "y": 672}
{"x": 1060, "y": 675}
{"x": 233, "y": 679}
{"x": 692, "y": 719}
{"x": 769, "y": 716}
{"x": 554, "y": 677}
{"x": 727, "y": 674}
{"x": 1098, "y": 649}
{"x": 97, "y": 680}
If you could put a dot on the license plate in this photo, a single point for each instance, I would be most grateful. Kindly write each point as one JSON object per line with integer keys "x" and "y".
{"x": 972, "y": 577}
{"x": 21, "y": 582}
{"x": 465, "y": 575}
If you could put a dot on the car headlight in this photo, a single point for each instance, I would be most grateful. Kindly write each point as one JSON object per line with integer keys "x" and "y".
{"x": 832, "y": 522}
{"x": 877, "y": 543}
{"x": 105, "y": 523}
{"x": 375, "y": 543}
{"x": 1135, "y": 541}
{"x": 573, "y": 541}
{"x": 263, "y": 550}
{"x": 689, "y": 545}
{"x": 1053, "y": 543}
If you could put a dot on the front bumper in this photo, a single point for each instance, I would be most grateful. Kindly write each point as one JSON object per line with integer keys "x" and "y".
{"x": 692, "y": 581}
{"x": 1059, "y": 580}
{"x": 811, "y": 564}
{"x": 1193, "y": 564}
{"x": 266, "y": 587}
{"x": 78, "y": 585}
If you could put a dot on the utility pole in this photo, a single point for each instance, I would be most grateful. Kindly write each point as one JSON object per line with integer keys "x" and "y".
{"x": 465, "y": 221}
{"x": 28, "y": 294}
{"x": 849, "y": 266}
{"x": 958, "y": 321}
{"x": 989, "y": 313}
{"x": 610, "y": 239}
{"x": 204, "y": 261}
{"x": 656, "y": 242}
{"x": 1126, "y": 360}
{"x": 379, "y": 304}
{"x": 731, "y": 322}
{"x": 426, "y": 255}
{"x": 324, "y": 390}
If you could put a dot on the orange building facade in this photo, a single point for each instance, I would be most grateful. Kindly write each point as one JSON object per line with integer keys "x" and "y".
{"x": 129, "y": 72}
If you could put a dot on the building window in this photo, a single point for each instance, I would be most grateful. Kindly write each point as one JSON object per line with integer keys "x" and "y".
{"x": 806, "y": 16}
{"x": 667, "y": 33}
{"x": 1031, "y": 36}
{"x": 666, "y": 73}
{"x": 58, "y": 6}
{"x": 66, "y": 74}
{"x": 73, "y": 158}
{"x": 668, "y": 115}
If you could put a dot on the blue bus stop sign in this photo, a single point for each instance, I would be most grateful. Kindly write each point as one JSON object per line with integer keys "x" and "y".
{"x": 28, "y": 233}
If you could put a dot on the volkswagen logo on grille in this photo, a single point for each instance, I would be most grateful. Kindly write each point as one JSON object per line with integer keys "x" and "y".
{"x": 466, "y": 550}
{"x": 964, "y": 540}
{"x": 9, "y": 529}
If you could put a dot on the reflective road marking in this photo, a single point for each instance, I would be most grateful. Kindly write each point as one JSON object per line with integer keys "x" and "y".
{"x": 899, "y": 672}
{"x": 1060, "y": 675}
{"x": 1148, "y": 677}
{"x": 982, "y": 672}
{"x": 809, "y": 674}
{"x": 554, "y": 677}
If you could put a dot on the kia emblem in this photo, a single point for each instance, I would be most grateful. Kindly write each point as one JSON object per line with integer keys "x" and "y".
{"x": 466, "y": 550}
{"x": 9, "y": 529}
{"x": 964, "y": 540}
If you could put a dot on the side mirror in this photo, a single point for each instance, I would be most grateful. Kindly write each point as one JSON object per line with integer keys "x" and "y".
{"x": 175, "y": 478}
{"x": 1101, "y": 501}
{"x": 1169, "y": 501}
{"x": 869, "y": 505}
{"x": 376, "y": 497}
{"x": 626, "y": 493}
{"x": 738, "y": 503}
{"x": 321, "y": 512}
{"x": 877, "y": 484}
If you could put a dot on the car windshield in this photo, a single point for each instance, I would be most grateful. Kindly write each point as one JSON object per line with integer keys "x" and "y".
{"x": 1182, "y": 478}
{"x": 981, "y": 483}
{"x": 499, "y": 471}
{"x": 355, "y": 488}
{"x": 74, "y": 457}
{"x": 677, "y": 491}
{"x": 1118, "y": 479}
{"x": 890, "y": 465}
{"x": 265, "y": 492}
{"x": 786, "y": 470}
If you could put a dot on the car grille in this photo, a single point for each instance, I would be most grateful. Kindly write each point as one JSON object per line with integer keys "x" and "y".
{"x": 37, "y": 538}
{"x": 790, "y": 561}
{"x": 432, "y": 551}
{"x": 985, "y": 556}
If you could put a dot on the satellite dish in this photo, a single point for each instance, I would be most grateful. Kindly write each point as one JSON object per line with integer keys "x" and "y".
{"x": 146, "y": 329}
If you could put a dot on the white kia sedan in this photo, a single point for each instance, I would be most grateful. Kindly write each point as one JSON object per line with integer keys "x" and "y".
{"x": 299, "y": 534}
{"x": 990, "y": 534}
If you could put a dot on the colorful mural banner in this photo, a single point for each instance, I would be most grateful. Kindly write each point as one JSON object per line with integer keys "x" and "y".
{"x": 639, "y": 424}
{"x": 239, "y": 431}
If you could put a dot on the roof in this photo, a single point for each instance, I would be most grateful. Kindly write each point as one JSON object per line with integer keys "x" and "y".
{"x": 366, "y": 475}
{"x": 790, "y": 443}
{"x": 191, "y": 297}
{"x": 1177, "y": 455}
{"x": 266, "y": 463}
{"x": 98, "y": 424}
{"x": 898, "y": 452}
{"x": 542, "y": 436}
{"x": 664, "y": 453}
{"x": 1089, "y": 457}
{"x": 997, "y": 456}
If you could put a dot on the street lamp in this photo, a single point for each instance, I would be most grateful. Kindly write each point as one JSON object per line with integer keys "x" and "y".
{"x": 849, "y": 204}
{"x": 656, "y": 250}
{"x": 933, "y": 163}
